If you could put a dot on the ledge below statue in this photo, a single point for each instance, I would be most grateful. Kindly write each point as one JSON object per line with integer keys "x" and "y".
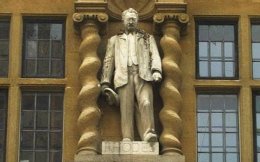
{"x": 130, "y": 158}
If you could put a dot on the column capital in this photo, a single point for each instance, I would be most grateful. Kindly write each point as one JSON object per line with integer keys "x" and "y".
{"x": 83, "y": 17}
{"x": 181, "y": 18}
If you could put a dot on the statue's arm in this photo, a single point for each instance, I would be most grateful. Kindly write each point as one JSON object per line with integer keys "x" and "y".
{"x": 108, "y": 64}
{"x": 156, "y": 65}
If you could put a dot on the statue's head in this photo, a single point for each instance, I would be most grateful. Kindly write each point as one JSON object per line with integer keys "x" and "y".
{"x": 130, "y": 19}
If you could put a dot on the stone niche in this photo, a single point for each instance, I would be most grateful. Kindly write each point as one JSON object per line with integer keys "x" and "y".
{"x": 97, "y": 21}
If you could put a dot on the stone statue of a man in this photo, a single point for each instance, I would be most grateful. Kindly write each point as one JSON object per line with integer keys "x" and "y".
{"x": 132, "y": 58}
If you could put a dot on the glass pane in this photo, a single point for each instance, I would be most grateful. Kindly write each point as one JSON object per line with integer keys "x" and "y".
{"x": 231, "y": 139}
{"x": 204, "y": 69}
{"x": 255, "y": 33}
{"x": 232, "y": 157}
{"x": 216, "y": 32}
{"x": 217, "y": 157}
{"x": 4, "y": 49}
{"x": 3, "y": 68}
{"x": 42, "y": 101}
{"x": 256, "y": 50}
{"x": 217, "y": 139}
{"x": 229, "y": 69}
{"x": 256, "y": 71}
{"x": 217, "y": 102}
{"x": 257, "y": 103}
{"x": 2, "y": 140}
{"x": 258, "y": 120}
{"x": 41, "y": 156}
{"x": 229, "y": 33}
{"x": 30, "y": 67}
{"x": 56, "y": 120}
{"x": 31, "y": 49}
{"x": 27, "y": 140}
{"x": 203, "y": 157}
{"x": 43, "y": 67}
{"x": 216, "y": 69}
{"x": 203, "y": 102}
{"x": 42, "y": 120}
{"x": 44, "y": 30}
{"x": 258, "y": 142}
{"x": 56, "y": 31}
{"x": 216, "y": 122}
{"x": 27, "y": 120}
{"x": 203, "y": 33}
{"x": 43, "y": 49}
{"x": 57, "y": 68}
{"x": 55, "y": 140}
{"x": 41, "y": 141}
{"x": 258, "y": 157}
{"x": 2, "y": 119}
{"x": 203, "y": 120}
{"x": 203, "y": 49}
{"x": 231, "y": 119}
{"x": 31, "y": 31}
{"x": 3, "y": 100}
{"x": 203, "y": 142}
{"x": 231, "y": 102}
{"x": 55, "y": 156}
{"x": 229, "y": 50}
{"x": 28, "y": 101}
{"x": 215, "y": 49}
{"x": 4, "y": 30}
{"x": 56, "y": 101}
{"x": 26, "y": 156}
{"x": 57, "y": 49}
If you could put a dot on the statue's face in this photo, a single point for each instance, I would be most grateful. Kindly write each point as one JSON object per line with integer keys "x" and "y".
{"x": 130, "y": 21}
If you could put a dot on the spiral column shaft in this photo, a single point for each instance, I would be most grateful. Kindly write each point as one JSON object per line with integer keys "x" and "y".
{"x": 87, "y": 99}
{"x": 172, "y": 99}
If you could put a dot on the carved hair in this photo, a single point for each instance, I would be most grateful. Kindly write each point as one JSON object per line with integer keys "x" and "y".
{"x": 130, "y": 10}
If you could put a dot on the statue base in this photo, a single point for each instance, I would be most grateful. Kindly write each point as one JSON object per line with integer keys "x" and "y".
{"x": 132, "y": 151}
{"x": 130, "y": 158}
{"x": 130, "y": 148}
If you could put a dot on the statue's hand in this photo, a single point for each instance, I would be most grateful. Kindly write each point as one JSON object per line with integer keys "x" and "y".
{"x": 157, "y": 77}
{"x": 103, "y": 87}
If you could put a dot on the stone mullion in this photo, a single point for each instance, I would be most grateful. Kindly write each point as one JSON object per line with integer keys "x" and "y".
{"x": 87, "y": 99}
{"x": 170, "y": 88}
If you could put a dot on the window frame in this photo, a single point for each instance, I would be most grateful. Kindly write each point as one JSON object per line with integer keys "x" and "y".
{"x": 5, "y": 92}
{"x": 219, "y": 92}
{"x": 47, "y": 20}
{"x": 7, "y": 20}
{"x": 34, "y": 130}
{"x": 254, "y": 94}
{"x": 203, "y": 21}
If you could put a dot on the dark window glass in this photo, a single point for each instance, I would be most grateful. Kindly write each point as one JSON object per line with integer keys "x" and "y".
{"x": 4, "y": 48}
{"x": 257, "y": 126}
{"x": 217, "y": 124}
{"x": 43, "y": 49}
{"x": 216, "y": 51}
{"x": 256, "y": 50}
{"x": 3, "y": 119}
{"x": 41, "y": 126}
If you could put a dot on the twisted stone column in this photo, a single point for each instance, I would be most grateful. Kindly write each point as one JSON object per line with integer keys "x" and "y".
{"x": 172, "y": 99}
{"x": 87, "y": 99}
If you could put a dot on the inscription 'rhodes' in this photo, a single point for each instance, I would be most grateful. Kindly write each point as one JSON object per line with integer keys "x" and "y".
{"x": 135, "y": 147}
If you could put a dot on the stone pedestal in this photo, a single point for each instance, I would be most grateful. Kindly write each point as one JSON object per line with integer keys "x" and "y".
{"x": 130, "y": 148}
{"x": 130, "y": 158}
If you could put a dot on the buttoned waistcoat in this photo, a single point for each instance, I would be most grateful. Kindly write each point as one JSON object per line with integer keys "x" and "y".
{"x": 115, "y": 61}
